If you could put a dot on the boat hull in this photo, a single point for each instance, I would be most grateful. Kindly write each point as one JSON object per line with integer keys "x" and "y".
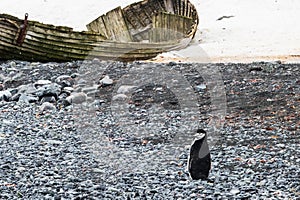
{"x": 35, "y": 41}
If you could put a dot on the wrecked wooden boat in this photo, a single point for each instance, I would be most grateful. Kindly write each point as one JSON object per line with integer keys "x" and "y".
{"x": 141, "y": 30}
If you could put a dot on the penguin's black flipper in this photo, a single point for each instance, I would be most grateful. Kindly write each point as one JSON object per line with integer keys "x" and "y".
{"x": 199, "y": 162}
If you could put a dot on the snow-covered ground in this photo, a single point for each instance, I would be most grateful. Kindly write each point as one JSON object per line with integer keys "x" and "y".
{"x": 257, "y": 30}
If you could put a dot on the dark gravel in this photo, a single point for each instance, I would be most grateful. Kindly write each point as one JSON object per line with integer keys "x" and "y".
{"x": 54, "y": 148}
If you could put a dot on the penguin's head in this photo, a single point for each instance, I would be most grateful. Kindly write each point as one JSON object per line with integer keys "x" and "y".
{"x": 200, "y": 134}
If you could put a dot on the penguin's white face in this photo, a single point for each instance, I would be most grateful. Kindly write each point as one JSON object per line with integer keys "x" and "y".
{"x": 199, "y": 136}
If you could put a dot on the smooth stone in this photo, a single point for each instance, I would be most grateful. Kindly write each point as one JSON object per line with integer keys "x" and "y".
{"x": 27, "y": 99}
{"x": 124, "y": 89}
{"x": 41, "y": 83}
{"x": 90, "y": 89}
{"x": 81, "y": 82}
{"x": 112, "y": 189}
{"x": 21, "y": 169}
{"x": 77, "y": 98}
{"x": 106, "y": 80}
{"x": 55, "y": 142}
{"x": 234, "y": 191}
{"x": 280, "y": 145}
{"x": 12, "y": 64}
{"x": 159, "y": 89}
{"x": 47, "y": 106}
{"x": 27, "y": 89}
{"x": 119, "y": 97}
{"x": 7, "y": 122}
{"x": 96, "y": 61}
{"x": 2, "y": 78}
{"x": 68, "y": 89}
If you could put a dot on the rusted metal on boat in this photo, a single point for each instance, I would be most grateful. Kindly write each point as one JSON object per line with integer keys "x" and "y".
{"x": 22, "y": 31}
{"x": 141, "y": 30}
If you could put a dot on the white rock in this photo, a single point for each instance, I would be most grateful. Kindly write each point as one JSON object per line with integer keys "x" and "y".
{"x": 125, "y": 89}
{"x": 21, "y": 169}
{"x": 57, "y": 142}
{"x": 234, "y": 191}
{"x": 280, "y": 145}
{"x": 77, "y": 98}
{"x": 23, "y": 98}
{"x": 47, "y": 106}
{"x": 42, "y": 82}
{"x": 159, "y": 89}
{"x": 27, "y": 99}
{"x": 119, "y": 97}
{"x": 106, "y": 80}
{"x": 68, "y": 89}
{"x": 201, "y": 87}
{"x": 2, "y": 78}
{"x": 90, "y": 89}
{"x": 13, "y": 64}
{"x": 7, "y": 122}
{"x": 96, "y": 61}
{"x": 28, "y": 89}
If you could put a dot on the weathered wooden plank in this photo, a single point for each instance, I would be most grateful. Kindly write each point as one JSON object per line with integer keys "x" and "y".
{"x": 185, "y": 7}
{"x": 139, "y": 15}
{"x": 67, "y": 35}
{"x": 176, "y": 5}
{"x": 159, "y": 5}
{"x": 50, "y": 26}
{"x": 12, "y": 33}
{"x": 168, "y": 27}
{"x": 83, "y": 43}
{"x": 115, "y": 25}
{"x": 64, "y": 49}
{"x": 182, "y": 8}
{"x": 7, "y": 26}
{"x": 56, "y": 39}
{"x": 98, "y": 26}
{"x": 169, "y": 6}
{"x": 29, "y": 54}
{"x": 8, "y": 29}
{"x": 189, "y": 10}
{"x": 14, "y": 48}
{"x": 14, "y": 54}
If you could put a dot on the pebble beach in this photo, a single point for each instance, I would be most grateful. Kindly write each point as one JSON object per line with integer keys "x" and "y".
{"x": 60, "y": 138}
